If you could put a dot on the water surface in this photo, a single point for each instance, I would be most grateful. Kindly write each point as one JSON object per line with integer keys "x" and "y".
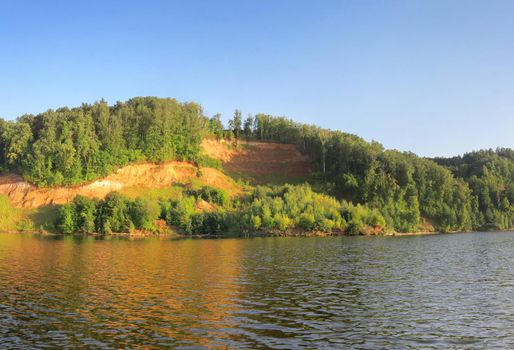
{"x": 442, "y": 291}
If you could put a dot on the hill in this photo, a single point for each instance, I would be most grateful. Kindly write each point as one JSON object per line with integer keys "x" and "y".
{"x": 134, "y": 178}
{"x": 260, "y": 162}
{"x": 256, "y": 162}
{"x": 146, "y": 144}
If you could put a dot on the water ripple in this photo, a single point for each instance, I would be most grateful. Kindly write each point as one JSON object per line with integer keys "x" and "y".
{"x": 445, "y": 291}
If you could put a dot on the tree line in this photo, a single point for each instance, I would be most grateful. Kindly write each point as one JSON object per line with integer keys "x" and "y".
{"x": 490, "y": 176}
{"x": 72, "y": 145}
{"x": 268, "y": 209}
{"x": 456, "y": 194}
{"x": 69, "y": 146}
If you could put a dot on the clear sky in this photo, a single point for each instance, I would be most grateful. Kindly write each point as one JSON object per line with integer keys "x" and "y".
{"x": 432, "y": 77}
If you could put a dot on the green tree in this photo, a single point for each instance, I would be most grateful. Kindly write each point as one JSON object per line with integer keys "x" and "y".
{"x": 248, "y": 126}
{"x": 235, "y": 123}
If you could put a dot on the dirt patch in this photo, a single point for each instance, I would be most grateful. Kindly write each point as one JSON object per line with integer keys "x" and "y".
{"x": 254, "y": 161}
{"x": 146, "y": 175}
{"x": 260, "y": 162}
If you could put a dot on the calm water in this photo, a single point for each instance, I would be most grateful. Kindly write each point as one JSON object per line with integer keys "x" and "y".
{"x": 445, "y": 291}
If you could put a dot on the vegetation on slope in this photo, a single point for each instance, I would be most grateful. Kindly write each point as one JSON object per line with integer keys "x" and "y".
{"x": 402, "y": 186}
{"x": 276, "y": 210}
{"x": 11, "y": 218}
{"x": 70, "y": 146}
{"x": 490, "y": 176}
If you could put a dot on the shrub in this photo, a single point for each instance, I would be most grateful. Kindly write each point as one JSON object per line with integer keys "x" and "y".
{"x": 115, "y": 213}
{"x": 306, "y": 221}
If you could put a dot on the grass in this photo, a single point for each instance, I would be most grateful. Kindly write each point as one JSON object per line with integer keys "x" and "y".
{"x": 153, "y": 193}
{"x": 11, "y": 218}
{"x": 248, "y": 179}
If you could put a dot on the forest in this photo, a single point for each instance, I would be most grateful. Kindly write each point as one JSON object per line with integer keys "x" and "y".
{"x": 356, "y": 186}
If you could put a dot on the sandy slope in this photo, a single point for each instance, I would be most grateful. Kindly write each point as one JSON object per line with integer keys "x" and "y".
{"x": 258, "y": 162}
{"x": 146, "y": 175}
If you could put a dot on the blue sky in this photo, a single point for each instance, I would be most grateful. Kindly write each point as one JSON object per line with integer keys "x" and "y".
{"x": 432, "y": 77}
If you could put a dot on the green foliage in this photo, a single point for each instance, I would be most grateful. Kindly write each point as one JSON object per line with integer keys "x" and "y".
{"x": 115, "y": 214}
{"x": 209, "y": 223}
{"x": 11, "y": 218}
{"x": 473, "y": 191}
{"x": 270, "y": 209}
{"x": 179, "y": 213}
{"x": 209, "y": 162}
{"x": 211, "y": 195}
{"x": 84, "y": 214}
{"x": 289, "y": 207}
{"x": 215, "y": 127}
{"x": 248, "y": 127}
{"x": 490, "y": 176}
{"x": 69, "y": 146}
{"x": 235, "y": 123}
{"x": 141, "y": 215}
{"x": 306, "y": 221}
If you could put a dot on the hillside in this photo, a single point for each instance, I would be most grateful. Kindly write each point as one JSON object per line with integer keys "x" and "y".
{"x": 139, "y": 177}
{"x": 147, "y": 143}
{"x": 260, "y": 162}
{"x": 256, "y": 162}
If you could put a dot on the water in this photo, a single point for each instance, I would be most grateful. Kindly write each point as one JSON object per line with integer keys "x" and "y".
{"x": 444, "y": 291}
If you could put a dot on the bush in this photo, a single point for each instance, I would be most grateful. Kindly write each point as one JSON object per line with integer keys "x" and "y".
{"x": 306, "y": 221}
{"x": 179, "y": 214}
{"x": 282, "y": 222}
{"x": 256, "y": 222}
{"x": 209, "y": 223}
{"x": 208, "y": 162}
{"x": 65, "y": 222}
{"x": 115, "y": 213}
{"x": 84, "y": 214}
{"x": 211, "y": 195}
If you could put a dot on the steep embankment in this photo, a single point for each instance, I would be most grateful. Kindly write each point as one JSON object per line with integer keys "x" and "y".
{"x": 253, "y": 161}
{"x": 260, "y": 162}
{"x": 146, "y": 175}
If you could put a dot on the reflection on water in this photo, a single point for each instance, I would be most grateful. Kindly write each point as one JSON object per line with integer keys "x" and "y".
{"x": 446, "y": 291}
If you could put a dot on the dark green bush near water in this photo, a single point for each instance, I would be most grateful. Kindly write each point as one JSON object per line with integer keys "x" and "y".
{"x": 211, "y": 195}
{"x": 114, "y": 214}
{"x": 490, "y": 176}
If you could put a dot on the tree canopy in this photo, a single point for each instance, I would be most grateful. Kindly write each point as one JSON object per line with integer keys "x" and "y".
{"x": 71, "y": 145}
{"x": 68, "y": 146}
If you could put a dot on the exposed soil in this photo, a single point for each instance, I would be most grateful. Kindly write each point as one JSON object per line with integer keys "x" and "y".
{"x": 260, "y": 162}
{"x": 146, "y": 175}
{"x": 254, "y": 161}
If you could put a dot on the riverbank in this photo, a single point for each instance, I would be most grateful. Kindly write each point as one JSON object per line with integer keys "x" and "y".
{"x": 174, "y": 234}
{"x": 420, "y": 233}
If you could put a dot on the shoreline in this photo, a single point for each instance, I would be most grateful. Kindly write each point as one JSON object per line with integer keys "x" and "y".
{"x": 421, "y": 233}
{"x": 173, "y": 235}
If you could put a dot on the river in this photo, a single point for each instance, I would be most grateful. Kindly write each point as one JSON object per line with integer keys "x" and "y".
{"x": 439, "y": 291}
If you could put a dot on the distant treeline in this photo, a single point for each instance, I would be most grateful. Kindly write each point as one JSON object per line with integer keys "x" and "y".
{"x": 69, "y": 146}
